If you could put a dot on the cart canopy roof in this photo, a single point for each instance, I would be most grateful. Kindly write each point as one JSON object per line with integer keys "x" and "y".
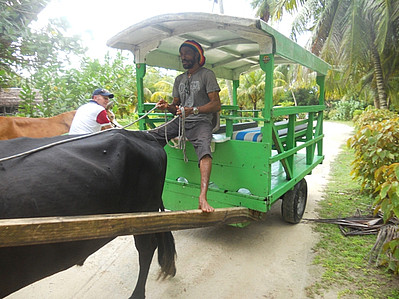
{"x": 232, "y": 45}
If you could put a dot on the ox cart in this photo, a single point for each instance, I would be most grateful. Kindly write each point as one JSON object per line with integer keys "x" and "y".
{"x": 256, "y": 159}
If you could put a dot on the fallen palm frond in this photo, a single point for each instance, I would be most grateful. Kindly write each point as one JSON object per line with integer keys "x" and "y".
{"x": 369, "y": 225}
{"x": 358, "y": 224}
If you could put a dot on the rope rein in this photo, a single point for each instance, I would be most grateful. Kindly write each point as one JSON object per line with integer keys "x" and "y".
{"x": 181, "y": 138}
{"x": 140, "y": 118}
{"x": 180, "y": 145}
{"x": 69, "y": 140}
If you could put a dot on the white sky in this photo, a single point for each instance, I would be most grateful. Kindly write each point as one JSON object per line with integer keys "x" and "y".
{"x": 96, "y": 21}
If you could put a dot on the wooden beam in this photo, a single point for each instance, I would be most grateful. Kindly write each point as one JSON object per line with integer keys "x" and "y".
{"x": 29, "y": 231}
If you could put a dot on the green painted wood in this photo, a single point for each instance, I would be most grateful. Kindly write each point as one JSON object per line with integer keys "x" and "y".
{"x": 279, "y": 183}
{"x": 266, "y": 63}
{"x": 179, "y": 196}
{"x": 320, "y": 80}
{"x": 309, "y": 136}
{"x": 286, "y": 48}
{"x": 280, "y": 149}
{"x": 282, "y": 111}
{"x": 243, "y": 118}
{"x": 290, "y": 143}
{"x": 236, "y": 85}
{"x": 293, "y": 151}
{"x": 140, "y": 73}
{"x": 185, "y": 196}
{"x": 229, "y": 128}
{"x": 236, "y": 164}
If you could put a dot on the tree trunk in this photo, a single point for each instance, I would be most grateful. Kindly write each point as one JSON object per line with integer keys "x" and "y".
{"x": 379, "y": 78}
{"x": 293, "y": 95}
{"x": 376, "y": 101}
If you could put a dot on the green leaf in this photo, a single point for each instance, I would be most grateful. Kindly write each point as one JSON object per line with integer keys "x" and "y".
{"x": 384, "y": 191}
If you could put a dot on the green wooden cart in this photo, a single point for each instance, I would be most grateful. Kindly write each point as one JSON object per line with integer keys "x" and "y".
{"x": 252, "y": 172}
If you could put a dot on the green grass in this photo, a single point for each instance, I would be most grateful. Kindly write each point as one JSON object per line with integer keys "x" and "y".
{"x": 345, "y": 259}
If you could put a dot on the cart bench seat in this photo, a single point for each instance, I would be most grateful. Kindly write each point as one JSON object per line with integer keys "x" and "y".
{"x": 250, "y": 131}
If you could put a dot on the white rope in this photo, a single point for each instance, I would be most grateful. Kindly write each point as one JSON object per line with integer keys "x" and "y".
{"x": 140, "y": 118}
{"x": 50, "y": 145}
{"x": 69, "y": 140}
{"x": 181, "y": 138}
{"x": 182, "y": 133}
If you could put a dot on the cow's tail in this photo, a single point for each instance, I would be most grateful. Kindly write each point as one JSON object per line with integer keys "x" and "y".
{"x": 166, "y": 254}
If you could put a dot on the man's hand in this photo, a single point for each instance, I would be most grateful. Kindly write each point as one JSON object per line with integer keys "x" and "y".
{"x": 162, "y": 104}
{"x": 187, "y": 111}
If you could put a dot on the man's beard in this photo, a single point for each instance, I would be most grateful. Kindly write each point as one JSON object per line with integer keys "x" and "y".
{"x": 188, "y": 64}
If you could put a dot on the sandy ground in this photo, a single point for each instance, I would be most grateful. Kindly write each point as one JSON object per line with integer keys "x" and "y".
{"x": 267, "y": 259}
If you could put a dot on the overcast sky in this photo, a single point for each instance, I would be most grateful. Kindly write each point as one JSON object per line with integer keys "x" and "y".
{"x": 98, "y": 20}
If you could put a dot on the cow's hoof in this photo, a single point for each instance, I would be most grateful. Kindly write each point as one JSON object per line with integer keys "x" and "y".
{"x": 80, "y": 263}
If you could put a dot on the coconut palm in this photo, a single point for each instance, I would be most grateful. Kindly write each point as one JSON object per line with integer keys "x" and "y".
{"x": 251, "y": 90}
{"x": 252, "y": 86}
{"x": 358, "y": 37}
{"x": 164, "y": 90}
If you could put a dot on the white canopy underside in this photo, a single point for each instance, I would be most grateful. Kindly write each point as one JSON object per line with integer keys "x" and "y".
{"x": 231, "y": 45}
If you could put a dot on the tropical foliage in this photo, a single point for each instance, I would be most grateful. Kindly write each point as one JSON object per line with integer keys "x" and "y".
{"x": 38, "y": 60}
{"x": 387, "y": 200}
{"x": 344, "y": 110}
{"x": 252, "y": 89}
{"x": 66, "y": 89}
{"x": 376, "y": 143}
{"x": 359, "y": 38}
{"x": 23, "y": 49}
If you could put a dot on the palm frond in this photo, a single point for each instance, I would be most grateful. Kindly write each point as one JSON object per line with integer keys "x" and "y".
{"x": 305, "y": 19}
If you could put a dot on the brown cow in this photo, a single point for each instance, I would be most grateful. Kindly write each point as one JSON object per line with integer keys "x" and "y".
{"x": 14, "y": 127}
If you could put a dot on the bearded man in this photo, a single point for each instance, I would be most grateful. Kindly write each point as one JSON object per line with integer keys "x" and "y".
{"x": 197, "y": 92}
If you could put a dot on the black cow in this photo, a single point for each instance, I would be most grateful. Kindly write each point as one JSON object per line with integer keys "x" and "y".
{"x": 116, "y": 171}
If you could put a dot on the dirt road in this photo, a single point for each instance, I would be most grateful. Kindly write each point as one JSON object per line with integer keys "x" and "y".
{"x": 268, "y": 259}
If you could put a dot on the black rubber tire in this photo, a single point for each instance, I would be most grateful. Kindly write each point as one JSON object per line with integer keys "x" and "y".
{"x": 294, "y": 202}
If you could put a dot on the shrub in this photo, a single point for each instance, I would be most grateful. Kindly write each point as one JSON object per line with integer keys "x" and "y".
{"x": 356, "y": 115}
{"x": 332, "y": 114}
{"x": 387, "y": 200}
{"x": 372, "y": 115}
{"x": 345, "y": 109}
{"x": 376, "y": 144}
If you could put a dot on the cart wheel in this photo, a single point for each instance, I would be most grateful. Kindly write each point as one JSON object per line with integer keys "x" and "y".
{"x": 294, "y": 202}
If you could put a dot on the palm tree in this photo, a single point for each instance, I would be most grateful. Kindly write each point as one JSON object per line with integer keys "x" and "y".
{"x": 164, "y": 90}
{"x": 356, "y": 36}
{"x": 251, "y": 90}
{"x": 252, "y": 86}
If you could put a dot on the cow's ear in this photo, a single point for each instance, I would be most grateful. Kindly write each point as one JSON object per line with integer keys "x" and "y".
{"x": 110, "y": 105}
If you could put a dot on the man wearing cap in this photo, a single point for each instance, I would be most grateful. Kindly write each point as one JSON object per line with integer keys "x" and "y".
{"x": 92, "y": 116}
{"x": 197, "y": 91}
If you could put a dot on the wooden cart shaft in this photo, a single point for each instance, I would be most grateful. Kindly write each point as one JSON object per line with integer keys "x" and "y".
{"x": 29, "y": 231}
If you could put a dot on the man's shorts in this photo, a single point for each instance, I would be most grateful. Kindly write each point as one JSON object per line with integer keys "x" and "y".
{"x": 199, "y": 133}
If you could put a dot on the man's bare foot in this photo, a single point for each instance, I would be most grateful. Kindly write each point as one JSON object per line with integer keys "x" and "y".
{"x": 204, "y": 206}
